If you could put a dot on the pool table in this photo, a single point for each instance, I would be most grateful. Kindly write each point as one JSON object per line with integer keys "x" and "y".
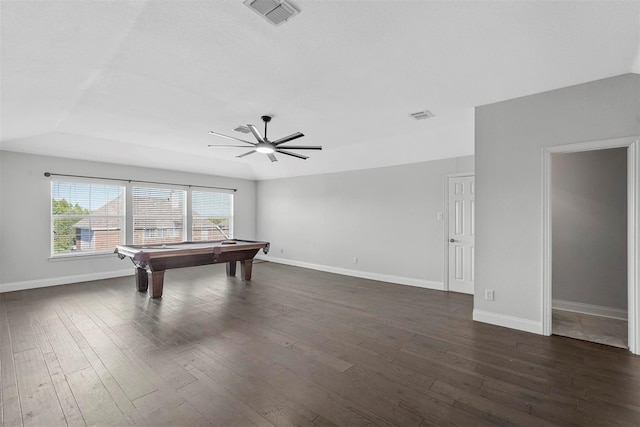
{"x": 151, "y": 261}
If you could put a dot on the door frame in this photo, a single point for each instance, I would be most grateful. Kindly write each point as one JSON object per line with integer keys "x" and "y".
{"x": 446, "y": 224}
{"x": 633, "y": 226}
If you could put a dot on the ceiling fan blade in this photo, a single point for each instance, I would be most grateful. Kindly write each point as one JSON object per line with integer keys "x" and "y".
{"x": 231, "y": 137}
{"x": 291, "y": 154}
{"x": 233, "y": 146}
{"x": 272, "y": 157}
{"x": 301, "y": 147}
{"x": 255, "y": 133}
{"x": 246, "y": 154}
{"x": 288, "y": 138}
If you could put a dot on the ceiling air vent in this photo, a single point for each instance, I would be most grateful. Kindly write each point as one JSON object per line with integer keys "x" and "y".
{"x": 242, "y": 129}
{"x": 275, "y": 11}
{"x": 420, "y": 115}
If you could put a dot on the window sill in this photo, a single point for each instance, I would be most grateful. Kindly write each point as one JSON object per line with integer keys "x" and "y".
{"x": 72, "y": 257}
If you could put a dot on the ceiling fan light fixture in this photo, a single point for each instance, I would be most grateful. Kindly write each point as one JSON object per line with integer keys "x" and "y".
{"x": 265, "y": 148}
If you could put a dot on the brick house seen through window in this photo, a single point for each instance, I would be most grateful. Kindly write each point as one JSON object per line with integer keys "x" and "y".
{"x": 157, "y": 221}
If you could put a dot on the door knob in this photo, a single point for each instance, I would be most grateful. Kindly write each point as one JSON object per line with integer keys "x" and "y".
{"x": 452, "y": 240}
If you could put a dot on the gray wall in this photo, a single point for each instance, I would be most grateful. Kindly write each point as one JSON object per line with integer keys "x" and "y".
{"x": 25, "y": 216}
{"x": 589, "y": 227}
{"x": 509, "y": 140}
{"x": 386, "y": 217}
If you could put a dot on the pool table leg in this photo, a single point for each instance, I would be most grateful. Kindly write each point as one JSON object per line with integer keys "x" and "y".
{"x": 142, "y": 283}
{"x": 231, "y": 268}
{"x": 157, "y": 281}
{"x": 245, "y": 267}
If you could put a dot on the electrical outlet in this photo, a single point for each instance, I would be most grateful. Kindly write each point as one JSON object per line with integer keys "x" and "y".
{"x": 439, "y": 216}
{"x": 488, "y": 295}
{"x": 281, "y": 250}
{"x": 355, "y": 259}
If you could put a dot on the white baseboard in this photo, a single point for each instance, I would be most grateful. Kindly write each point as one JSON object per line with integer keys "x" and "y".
{"x": 512, "y": 322}
{"x": 358, "y": 273}
{"x": 65, "y": 280}
{"x": 594, "y": 310}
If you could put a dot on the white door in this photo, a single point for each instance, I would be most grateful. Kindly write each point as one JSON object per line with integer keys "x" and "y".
{"x": 461, "y": 233}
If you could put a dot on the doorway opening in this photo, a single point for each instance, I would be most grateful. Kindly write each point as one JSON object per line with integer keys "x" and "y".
{"x": 589, "y": 245}
{"x": 590, "y": 282}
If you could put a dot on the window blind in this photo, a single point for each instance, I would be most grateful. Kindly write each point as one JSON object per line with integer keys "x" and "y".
{"x": 212, "y": 215}
{"x": 159, "y": 215}
{"x": 86, "y": 217}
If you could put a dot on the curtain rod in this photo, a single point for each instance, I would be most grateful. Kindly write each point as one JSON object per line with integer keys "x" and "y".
{"x": 48, "y": 174}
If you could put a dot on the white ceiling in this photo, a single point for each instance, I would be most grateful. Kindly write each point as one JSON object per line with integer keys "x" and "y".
{"x": 142, "y": 82}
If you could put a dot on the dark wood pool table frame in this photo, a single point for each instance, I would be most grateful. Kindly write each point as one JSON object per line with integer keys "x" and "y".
{"x": 151, "y": 261}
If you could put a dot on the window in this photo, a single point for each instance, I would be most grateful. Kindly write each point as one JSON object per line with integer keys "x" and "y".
{"x": 212, "y": 215}
{"x": 159, "y": 215}
{"x": 90, "y": 215}
{"x": 86, "y": 217}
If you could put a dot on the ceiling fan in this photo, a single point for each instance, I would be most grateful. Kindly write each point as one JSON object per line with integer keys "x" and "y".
{"x": 268, "y": 147}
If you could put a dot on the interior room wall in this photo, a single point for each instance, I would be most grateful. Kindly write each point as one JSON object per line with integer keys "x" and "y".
{"x": 589, "y": 228}
{"x": 376, "y": 223}
{"x": 509, "y": 140}
{"x": 25, "y": 217}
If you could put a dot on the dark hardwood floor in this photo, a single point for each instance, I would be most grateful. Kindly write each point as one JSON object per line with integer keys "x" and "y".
{"x": 293, "y": 347}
